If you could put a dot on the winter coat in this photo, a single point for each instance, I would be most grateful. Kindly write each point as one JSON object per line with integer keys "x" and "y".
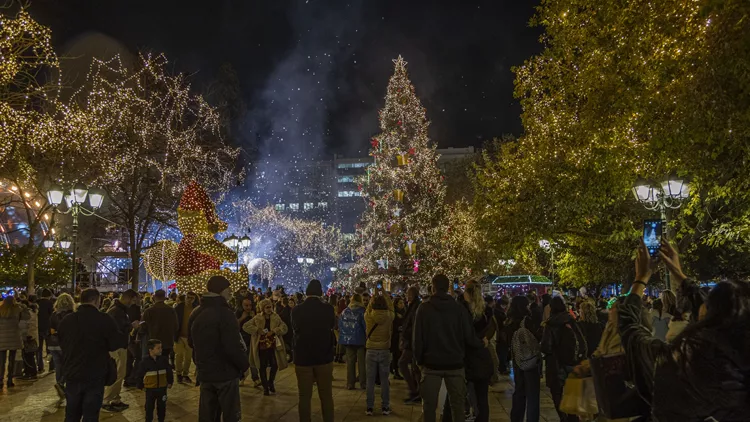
{"x": 313, "y": 322}
{"x": 161, "y": 322}
{"x": 119, "y": 313}
{"x": 379, "y": 323}
{"x": 286, "y": 317}
{"x": 592, "y": 332}
{"x": 407, "y": 326}
{"x": 702, "y": 375}
{"x": 442, "y": 333}
{"x": 46, "y": 308}
{"x": 478, "y": 362}
{"x": 556, "y": 372}
{"x": 53, "y": 342}
{"x": 214, "y": 335}
{"x": 86, "y": 338}
{"x": 179, "y": 311}
{"x": 10, "y": 328}
{"x": 352, "y": 326}
{"x": 30, "y": 329}
{"x": 154, "y": 373}
{"x": 255, "y": 328}
{"x": 398, "y": 322}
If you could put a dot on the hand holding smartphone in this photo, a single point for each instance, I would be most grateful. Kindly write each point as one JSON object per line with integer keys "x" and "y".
{"x": 652, "y": 233}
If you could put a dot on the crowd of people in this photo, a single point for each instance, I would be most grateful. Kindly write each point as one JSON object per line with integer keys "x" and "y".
{"x": 687, "y": 351}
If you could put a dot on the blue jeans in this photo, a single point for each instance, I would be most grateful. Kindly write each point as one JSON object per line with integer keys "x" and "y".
{"x": 57, "y": 360}
{"x": 378, "y": 362}
{"x": 84, "y": 400}
{"x": 525, "y": 395}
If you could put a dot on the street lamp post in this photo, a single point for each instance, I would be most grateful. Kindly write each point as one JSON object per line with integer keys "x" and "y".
{"x": 669, "y": 194}
{"x": 75, "y": 199}
{"x": 549, "y": 247}
{"x": 305, "y": 262}
{"x": 237, "y": 244}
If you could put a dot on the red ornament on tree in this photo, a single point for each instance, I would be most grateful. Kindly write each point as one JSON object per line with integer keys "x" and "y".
{"x": 412, "y": 151}
{"x": 374, "y": 142}
{"x": 399, "y": 123}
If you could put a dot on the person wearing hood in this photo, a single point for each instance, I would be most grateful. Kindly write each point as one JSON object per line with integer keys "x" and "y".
{"x": 352, "y": 336}
{"x": 442, "y": 333}
{"x": 220, "y": 356}
{"x": 406, "y": 363}
{"x": 563, "y": 345}
{"x": 379, "y": 320}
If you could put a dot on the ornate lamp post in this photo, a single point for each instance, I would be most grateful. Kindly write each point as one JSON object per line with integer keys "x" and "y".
{"x": 669, "y": 194}
{"x": 75, "y": 200}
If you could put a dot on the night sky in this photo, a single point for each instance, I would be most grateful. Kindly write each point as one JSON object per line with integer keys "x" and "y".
{"x": 313, "y": 73}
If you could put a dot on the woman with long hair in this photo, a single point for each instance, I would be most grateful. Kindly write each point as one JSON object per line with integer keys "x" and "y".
{"x": 561, "y": 356}
{"x": 526, "y": 392}
{"x": 11, "y": 314}
{"x": 64, "y": 305}
{"x": 478, "y": 362}
{"x": 267, "y": 330}
{"x": 589, "y": 323}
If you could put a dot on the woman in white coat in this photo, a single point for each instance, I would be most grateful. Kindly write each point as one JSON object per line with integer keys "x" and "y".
{"x": 267, "y": 346}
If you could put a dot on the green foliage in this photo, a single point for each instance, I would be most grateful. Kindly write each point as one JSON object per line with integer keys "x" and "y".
{"x": 52, "y": 267}
{"x": 622, "y": 90}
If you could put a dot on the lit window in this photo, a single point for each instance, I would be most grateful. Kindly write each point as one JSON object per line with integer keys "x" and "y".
{"x": 346, "y": 179}
{"x": 323, "y": 205}
{"x": 352, "y": 165}
{"x": 280, "y": 207}
{"x": 348, "y": 193}
{"x": 308, "y": 206}
{"x": 294, "y": 207}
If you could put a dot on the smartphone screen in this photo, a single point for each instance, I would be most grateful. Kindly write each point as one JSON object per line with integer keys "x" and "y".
{"x": 455, "y": 286}
{"x": 380, "y": 285}
{"x": 652, "y": 233}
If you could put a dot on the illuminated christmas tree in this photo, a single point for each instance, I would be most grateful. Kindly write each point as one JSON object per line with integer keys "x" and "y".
{"x": 404, "y": 191}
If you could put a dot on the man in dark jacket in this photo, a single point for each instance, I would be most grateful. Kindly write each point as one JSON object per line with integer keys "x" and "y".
{"x": 220, "y": 357}
{"x": 442, "y": 331}
{"x": 313, "y": 321}
{"x": 134, "y": 347}
{"x": 45, "y": 312}
{"x": 87, "y": 337}
{"x": 161, "y": 322}
{"x": 406, "y": 361}
{"x": 119, "y": 311}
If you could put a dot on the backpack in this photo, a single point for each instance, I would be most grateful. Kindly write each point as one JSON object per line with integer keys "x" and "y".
{"x": 571, "y": 347}
{"x": 525, "y": 348}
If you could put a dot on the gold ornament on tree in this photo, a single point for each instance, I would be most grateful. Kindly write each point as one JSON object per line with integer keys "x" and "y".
{"x": 398, "y": 195}
{"x": 411, "y": 248}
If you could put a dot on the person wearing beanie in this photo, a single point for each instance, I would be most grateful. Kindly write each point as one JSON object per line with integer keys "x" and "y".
{"x": 219, "y": 353}
{"x": 313, "y": 322}
{"x": 353, "y": 337}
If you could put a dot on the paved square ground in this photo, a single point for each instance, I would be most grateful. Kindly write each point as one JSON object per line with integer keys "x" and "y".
{"x": 37, "y": 402}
